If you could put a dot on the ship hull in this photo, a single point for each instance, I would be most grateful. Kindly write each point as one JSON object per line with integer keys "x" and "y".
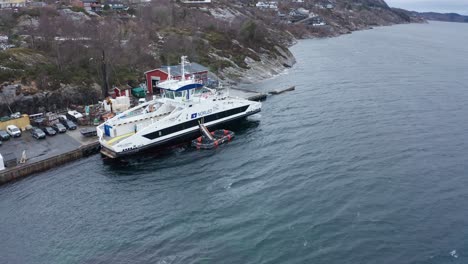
{"x": 172, "y": 141}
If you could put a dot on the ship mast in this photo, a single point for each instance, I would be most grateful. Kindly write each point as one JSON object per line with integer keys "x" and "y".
{"x": 183, "y": 66}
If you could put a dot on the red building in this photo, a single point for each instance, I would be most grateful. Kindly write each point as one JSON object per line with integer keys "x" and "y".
{"x": 122, "y": 91}
{"x": 153, "y": 77}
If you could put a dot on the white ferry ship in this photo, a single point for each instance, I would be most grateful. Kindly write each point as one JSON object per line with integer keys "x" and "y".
{"x": 171, "y": 119}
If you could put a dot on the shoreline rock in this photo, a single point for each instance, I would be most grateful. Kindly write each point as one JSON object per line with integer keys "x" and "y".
{"x": 269, "y": 66}
{"x": 47, "y": 101}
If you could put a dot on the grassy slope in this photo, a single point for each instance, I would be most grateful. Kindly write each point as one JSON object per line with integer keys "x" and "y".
{"x": 186, "y": 31}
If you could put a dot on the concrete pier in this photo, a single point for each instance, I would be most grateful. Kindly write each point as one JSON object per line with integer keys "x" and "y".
{"x": 247, "y": 94}
{"x": 280, "y": 91}
{"x": 23, "y": 170}
{"x": 46, "y": 153}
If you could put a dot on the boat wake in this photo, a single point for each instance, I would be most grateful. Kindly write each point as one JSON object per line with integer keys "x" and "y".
{"x": 255, "y": 117}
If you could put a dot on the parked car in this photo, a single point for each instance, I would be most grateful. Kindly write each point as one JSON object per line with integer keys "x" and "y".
{"x": 4, "y": 135}
{"x": 15, "y": 115}
{"x": 49, "y": 131}
{"x": 37, "y": 133}
{"x": 13, "y": 130}
{"x": 59, "y": 128}
{"x": 38, "y": 121}
{"x": 62, "y": 117}
{"x": 74, "y": 115}
{"x": 69, "y": 124}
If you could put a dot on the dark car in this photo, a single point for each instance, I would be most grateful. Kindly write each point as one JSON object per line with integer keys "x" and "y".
{"x": 37, "y": 133}
{"x": 69, "y": 124}
{"x": 49, "y": 131}
{"x": 59, "y": 128}
{"x": 4, "y": 135}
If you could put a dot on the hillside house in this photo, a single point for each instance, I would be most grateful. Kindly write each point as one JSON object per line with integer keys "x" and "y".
{"x": 324, "y": 5}
{"x": 12, "y": 3}
{"x": 37, "y": 4}
{"x": 4, "y": 43}
{"x": 316, "y": 21}
{"x": 115, "y": 5}
{"x": 196, "y": 1}
{"x": 90, "y": 5}
{"x": 267, "y": 5}
{"x": 122, "y": 91}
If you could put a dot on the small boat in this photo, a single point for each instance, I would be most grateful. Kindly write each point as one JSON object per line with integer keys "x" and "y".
{"x": 209, "y": 140}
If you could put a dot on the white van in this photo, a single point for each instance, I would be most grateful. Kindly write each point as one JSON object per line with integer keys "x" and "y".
{"x": 13, "y": 130}
{"x": 75, "y": 114}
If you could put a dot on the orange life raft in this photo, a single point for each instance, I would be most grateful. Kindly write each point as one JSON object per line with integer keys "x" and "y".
{"x": 220, "y": 136}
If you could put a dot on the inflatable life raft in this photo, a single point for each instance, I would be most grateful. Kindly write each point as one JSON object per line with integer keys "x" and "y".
{"x": 214, "y": 139}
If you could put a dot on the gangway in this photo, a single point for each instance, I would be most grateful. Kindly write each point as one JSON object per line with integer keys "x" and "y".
{"x": 209, "y": 140}
{"x": 205, "y": 132}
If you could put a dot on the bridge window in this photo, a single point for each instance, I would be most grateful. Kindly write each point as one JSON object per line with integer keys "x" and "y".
{"x": 199, "y": 90}
{"x": 169, "y": 94}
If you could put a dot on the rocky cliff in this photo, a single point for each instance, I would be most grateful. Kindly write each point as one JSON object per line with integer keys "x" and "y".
{"x": 64, "y": 52}
{"x": 446, "y": 17}
{"x": 347, "y": 16}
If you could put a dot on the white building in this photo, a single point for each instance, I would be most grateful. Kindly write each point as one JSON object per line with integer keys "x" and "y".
{"x": 196, "y": 1}
{"x": 267, "y": 5}
{"x": 12, "y": 3}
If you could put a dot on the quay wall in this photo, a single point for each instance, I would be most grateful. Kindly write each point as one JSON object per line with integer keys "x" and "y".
{"x": 24, "y": 170}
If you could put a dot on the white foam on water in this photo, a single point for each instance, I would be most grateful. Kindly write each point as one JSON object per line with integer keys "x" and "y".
{"x": 453, "y": 253}
{"x": 254, "y": 117}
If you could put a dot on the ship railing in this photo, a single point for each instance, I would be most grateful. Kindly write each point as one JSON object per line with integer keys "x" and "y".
{"x": 99, "y": 131}
{"x": 175, "y": 113}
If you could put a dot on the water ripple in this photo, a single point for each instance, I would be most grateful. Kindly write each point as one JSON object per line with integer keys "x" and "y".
{"x": 365, "y": 162}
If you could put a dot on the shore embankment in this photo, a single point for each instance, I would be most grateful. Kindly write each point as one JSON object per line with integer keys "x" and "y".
{"x": 43, "y": 154}
{"x": 23, "y": 170}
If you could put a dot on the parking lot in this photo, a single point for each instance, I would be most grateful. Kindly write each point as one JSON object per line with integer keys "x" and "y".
{"x": 39, "y": 149}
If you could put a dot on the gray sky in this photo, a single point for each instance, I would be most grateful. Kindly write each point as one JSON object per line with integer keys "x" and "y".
{"x": 442, "y": 6}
